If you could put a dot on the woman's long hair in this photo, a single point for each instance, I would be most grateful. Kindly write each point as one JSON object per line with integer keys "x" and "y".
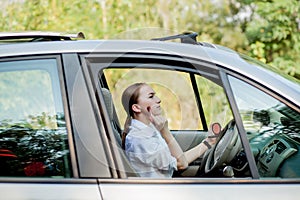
{"x": 129, "y": 97}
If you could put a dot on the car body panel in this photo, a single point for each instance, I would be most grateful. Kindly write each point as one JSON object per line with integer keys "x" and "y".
{"x": 40, "y": 189}
{"x": 218, "y": 189}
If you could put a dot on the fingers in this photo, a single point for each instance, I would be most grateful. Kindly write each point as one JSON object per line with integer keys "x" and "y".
{"x": 155, "y": 109}
{"x": 151, "y": 116}
{"x": 152, "y": 112}
{"x": 157, "y": 119}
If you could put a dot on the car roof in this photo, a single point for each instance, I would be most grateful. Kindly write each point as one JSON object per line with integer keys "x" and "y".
{"x": 210, "y": 53}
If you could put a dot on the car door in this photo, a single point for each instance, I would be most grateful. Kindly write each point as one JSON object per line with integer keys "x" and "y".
{"x": 37, "y": 155}
{"x": 194, "y": 94}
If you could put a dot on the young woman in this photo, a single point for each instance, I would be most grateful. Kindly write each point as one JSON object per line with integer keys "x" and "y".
{"x": 148, "y": 143}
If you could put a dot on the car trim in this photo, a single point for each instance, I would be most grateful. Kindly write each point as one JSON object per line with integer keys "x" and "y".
{"x": 199, "y": 101}
{"x": 239, "y": 124}
{"x": 90, "y": 147}
{"x": 98, "y": 111}
{"x": 171, "y": 181}
{"x": 48, "y": 180}
{"x": 61, "y": 75}
{"x": 39, "y": 34}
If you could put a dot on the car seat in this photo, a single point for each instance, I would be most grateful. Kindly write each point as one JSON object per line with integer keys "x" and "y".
{"x": 130, "y": 172}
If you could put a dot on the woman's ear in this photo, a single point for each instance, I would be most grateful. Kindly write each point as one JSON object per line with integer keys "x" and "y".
{"x": 136, "y": 108}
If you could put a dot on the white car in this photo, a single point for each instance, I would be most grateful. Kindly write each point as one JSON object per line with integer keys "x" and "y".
{"x": 61, "y": 119}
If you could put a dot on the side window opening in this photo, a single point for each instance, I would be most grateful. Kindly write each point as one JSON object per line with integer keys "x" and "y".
{"x": 173, "y": 87}
{"x": 33, "y": 134}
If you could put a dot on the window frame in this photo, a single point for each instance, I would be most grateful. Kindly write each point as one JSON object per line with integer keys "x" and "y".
{"x": 209, "y": 70}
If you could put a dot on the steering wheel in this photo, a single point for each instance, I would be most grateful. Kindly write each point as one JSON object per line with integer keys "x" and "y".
{"x": 225, "y": 149}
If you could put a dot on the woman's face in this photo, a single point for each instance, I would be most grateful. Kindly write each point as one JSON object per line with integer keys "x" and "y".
{"x": 148, "y": 101}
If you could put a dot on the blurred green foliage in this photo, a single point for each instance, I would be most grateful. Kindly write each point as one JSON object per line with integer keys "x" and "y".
{"x": 267, "y": 30}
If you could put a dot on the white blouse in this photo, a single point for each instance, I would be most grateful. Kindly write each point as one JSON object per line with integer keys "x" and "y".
{"x": 148, "y": 152}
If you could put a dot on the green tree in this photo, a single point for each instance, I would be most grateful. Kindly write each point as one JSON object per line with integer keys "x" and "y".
{"x": 274, "y": 33}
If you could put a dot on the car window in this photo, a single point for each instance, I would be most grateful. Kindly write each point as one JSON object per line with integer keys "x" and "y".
{"x": 173, "y": 88}
{"x": 273, "y": 130}
{"x": 33, "y": 135}
{"x": 215, "y": 105}
{"x": 177, "y": 95}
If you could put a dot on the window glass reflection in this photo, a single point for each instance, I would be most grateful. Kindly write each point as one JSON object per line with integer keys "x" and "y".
{"x": 33, "y": 135}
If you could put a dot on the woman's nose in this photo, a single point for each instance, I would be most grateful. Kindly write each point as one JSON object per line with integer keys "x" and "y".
{"x": 157, "y": 100}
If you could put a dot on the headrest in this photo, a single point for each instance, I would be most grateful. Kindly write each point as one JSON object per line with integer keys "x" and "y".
{"x": 108, "y": 101}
